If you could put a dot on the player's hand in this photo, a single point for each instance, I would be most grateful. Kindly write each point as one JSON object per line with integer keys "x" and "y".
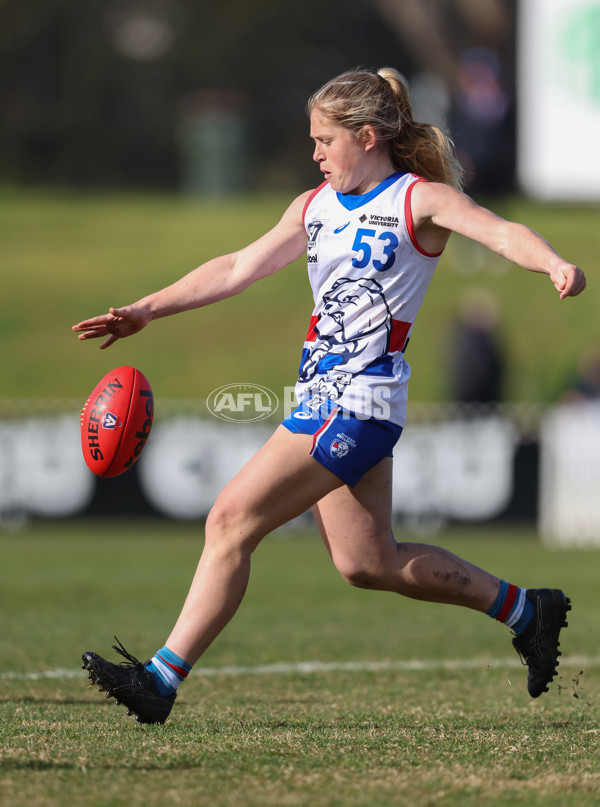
{"x": 569, "y": 280}
{"x": 117, "y": 324}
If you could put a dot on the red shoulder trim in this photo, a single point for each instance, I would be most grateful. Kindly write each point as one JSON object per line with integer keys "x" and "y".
{"x": 311, "y": 197}
{"x": 410, "y": 224}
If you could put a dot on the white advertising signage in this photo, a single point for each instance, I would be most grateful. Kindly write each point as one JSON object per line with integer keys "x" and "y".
{"x": 558, "y": 72}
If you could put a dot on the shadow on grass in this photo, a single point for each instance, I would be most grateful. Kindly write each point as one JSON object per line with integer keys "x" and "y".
{"x": 28, "y": 699}
{"x": 63, "y": 765}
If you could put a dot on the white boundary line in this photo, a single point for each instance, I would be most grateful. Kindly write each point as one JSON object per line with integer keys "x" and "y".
{"x": 315, "y": 667}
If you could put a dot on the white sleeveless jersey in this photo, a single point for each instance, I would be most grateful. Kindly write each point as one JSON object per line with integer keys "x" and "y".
{"x": 369, "y": 277}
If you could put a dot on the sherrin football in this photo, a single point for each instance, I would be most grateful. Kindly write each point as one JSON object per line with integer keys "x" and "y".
{"x": 116, "y": 421}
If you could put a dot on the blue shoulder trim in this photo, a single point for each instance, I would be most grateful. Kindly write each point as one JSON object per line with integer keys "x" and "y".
{"x": 352, "y": 201}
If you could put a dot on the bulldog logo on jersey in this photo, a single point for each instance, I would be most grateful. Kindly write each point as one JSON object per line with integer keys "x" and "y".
{"x": 342, "y": 334}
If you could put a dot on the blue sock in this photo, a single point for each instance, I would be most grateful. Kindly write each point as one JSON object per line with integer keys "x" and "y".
{"x": 512, "y": 607}
{"x": 168, "y": 669}
{"x": 525, "y": 618}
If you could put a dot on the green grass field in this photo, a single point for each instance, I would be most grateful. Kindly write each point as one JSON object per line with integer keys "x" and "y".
{"x": 68, "y": 256}
{"x": 316, "y": 694}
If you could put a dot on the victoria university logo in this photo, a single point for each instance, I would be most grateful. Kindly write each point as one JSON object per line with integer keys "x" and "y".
{"x": 242, "y": 403}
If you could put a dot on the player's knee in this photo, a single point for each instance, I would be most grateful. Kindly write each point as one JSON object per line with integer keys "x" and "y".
{"x": 224, "y": 524}
{"x": 228, "y": 527}
{"x": 359, "y": 574}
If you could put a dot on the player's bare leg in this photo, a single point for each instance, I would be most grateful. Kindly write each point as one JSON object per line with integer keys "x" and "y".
{"x": 279, "y": 483}
{"x": 356, "y": 526}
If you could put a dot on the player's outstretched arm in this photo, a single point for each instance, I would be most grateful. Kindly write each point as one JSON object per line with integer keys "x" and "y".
{"x": 214, "y": 280}
{"x": 440, "y": 206}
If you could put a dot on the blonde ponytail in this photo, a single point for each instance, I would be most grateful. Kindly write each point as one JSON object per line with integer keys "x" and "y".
{"x": 359, "y": 98}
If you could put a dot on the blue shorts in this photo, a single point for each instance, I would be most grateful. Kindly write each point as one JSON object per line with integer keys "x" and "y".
{"x": 345, "y": 444}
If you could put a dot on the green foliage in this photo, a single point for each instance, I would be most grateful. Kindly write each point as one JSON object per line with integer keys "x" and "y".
{"x": 463, "y": 736}
{"x": 66, "y": 257}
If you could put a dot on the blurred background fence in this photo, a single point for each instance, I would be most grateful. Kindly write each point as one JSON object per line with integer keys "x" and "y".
{"x": 458, "y": 464}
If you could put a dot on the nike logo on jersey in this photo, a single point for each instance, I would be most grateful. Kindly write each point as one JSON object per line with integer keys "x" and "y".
{"x": 339, "y": 229}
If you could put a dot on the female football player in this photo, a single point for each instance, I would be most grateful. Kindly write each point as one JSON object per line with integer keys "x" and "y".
{"x": 373, "y": 232}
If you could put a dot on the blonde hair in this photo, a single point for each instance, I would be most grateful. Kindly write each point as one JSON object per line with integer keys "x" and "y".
{"x": 360, "y": 98}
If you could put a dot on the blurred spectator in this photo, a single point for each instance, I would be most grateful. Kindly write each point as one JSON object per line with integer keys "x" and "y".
{"x": 586, "y": 384}
{"x": 481, "y": 121}
{"x": 476, "y": 362}
{"x": 469, "y": 46}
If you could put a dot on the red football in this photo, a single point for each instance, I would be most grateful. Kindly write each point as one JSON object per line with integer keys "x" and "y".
{"x": 116, "y": 421}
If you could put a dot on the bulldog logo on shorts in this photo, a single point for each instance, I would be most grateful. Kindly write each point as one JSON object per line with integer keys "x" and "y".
{"x": 341, "y": 445}
{"x": 339, "y": 448}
